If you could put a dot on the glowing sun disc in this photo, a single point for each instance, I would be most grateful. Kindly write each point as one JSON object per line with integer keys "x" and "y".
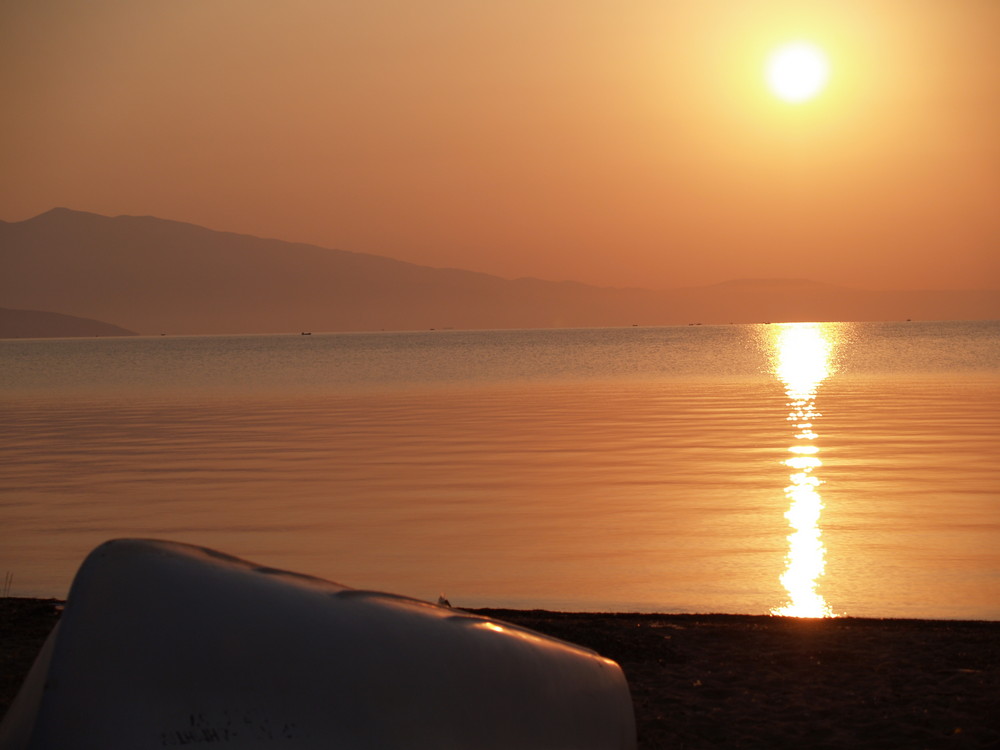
{"x": 797, "y": 71}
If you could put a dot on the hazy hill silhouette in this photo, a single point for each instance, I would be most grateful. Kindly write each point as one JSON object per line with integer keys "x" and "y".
{"x": 35, "y": 324}
{"x": 152, "y": 275}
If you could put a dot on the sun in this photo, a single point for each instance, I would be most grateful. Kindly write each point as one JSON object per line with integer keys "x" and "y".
{"x": 797, "y": 71}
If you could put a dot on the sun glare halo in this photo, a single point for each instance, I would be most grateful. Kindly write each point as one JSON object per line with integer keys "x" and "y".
{"x": 797, "y": 71}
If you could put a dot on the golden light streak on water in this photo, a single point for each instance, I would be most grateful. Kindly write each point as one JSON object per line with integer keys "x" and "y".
{"x": 802, "y": 362}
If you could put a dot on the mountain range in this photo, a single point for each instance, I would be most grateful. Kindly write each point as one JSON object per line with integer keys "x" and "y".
{"x": 152, "y": 276}
{"x": 38, "y": 324}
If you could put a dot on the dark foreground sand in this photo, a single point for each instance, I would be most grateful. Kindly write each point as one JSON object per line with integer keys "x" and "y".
{"x": 733, "y": 681}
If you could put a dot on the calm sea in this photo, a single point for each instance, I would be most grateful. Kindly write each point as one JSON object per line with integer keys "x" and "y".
{"x": 844, "y": 468}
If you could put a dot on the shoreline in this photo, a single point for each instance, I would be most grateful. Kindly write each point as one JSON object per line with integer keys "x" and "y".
{"x": 742, "y": 681}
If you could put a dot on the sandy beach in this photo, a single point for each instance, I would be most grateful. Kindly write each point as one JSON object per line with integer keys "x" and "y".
{"x": 734, "y": 681}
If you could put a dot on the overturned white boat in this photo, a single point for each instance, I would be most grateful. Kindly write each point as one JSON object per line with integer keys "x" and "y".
{"x": 165, "y": 645}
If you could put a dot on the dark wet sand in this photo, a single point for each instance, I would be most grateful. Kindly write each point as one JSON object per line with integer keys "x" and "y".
{"x": 734, "y": 681}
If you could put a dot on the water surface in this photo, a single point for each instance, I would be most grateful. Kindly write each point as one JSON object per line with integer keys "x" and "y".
{"x": 615, "y": 469}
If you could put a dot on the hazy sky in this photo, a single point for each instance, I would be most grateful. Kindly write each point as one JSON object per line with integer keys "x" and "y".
{"x": 616, "y": 143}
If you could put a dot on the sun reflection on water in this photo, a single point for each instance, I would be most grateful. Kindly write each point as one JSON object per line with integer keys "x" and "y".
{"x": 802, "y": 362}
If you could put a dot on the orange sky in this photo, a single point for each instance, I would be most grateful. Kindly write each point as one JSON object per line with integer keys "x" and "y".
{"x": 612, "y": 143}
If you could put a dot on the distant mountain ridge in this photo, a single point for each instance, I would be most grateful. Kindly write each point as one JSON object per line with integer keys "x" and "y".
{"x": 37, "y": 324}
{"x": 155, "y": 275}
